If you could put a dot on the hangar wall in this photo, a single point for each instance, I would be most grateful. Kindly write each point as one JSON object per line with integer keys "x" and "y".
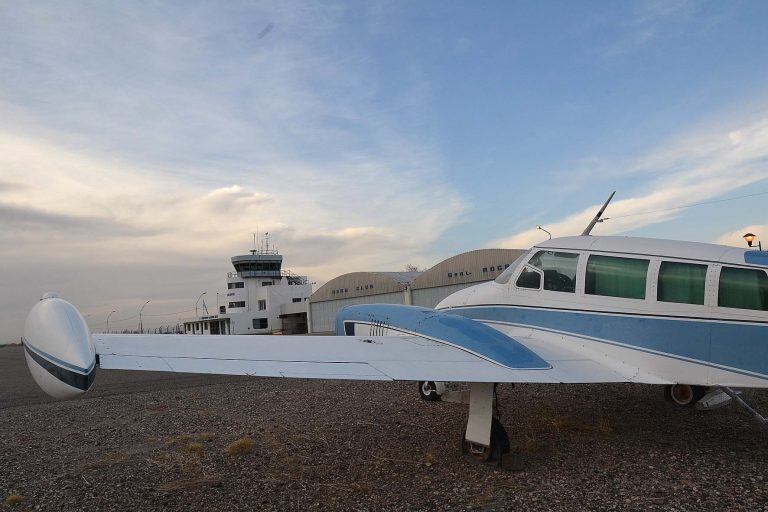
{"x": 424, "y": 289}
{"x": 323, "y": 313}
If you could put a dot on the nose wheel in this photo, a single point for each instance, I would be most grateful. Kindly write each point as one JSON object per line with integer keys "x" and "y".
{"x": 428, "y": 391}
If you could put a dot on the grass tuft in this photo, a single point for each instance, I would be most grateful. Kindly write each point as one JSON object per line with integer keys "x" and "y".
{"x": 13, "y": 499}
{"x": 195, "y": 448}
{"x": 206, "y": 437}
{"x": 242, "y": 446}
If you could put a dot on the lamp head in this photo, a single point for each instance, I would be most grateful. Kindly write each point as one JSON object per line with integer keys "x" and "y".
{"x": 749, "y": 238}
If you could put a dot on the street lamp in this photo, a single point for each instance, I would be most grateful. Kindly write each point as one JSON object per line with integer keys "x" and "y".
{"x": 141, "y": 325}
{"x": 109, "y": 315}
{"x": 544, "y": 230}
{"x": 750, "y": 238}
{"x": 196, "y": 302}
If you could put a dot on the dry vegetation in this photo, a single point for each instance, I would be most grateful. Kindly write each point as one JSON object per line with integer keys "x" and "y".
{"x": 13, "y": 499}
{"x": 242, "y": 446}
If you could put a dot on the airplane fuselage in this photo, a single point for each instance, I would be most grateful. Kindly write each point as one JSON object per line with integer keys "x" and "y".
{"x": 669, "y": 312}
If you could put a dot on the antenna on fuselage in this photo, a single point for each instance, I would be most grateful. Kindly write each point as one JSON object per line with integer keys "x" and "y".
{"x": 596, "y": 218}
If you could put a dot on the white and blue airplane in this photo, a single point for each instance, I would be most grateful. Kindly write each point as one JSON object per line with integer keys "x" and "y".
{"x": 582, "y": 309}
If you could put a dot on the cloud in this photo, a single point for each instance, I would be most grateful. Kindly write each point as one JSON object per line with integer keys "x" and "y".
{"x": 147, "y": 138}
{"x": 691, "y": 169}
{"x": 735, "y": 237}
{"x": 648, "y": 21}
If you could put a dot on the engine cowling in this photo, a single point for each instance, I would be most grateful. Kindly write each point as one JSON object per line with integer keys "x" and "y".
{"x": 58, "y": 347}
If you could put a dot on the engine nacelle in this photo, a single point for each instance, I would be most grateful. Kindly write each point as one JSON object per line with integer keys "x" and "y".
{"x": 59, "y": 349}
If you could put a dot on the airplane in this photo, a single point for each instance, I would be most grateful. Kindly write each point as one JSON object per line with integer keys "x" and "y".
{"x": 688, "y": 316}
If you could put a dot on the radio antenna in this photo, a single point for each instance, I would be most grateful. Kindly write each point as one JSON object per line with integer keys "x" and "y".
{"x": 596, "y": 218}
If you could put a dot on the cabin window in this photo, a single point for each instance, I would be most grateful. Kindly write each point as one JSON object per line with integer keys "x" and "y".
{"x": 743, "y": 288}
{"x": 681, "y": 282}
{"x": 559, "y": 269}
{"x": 616, "y": 277}
{"x": 529, "y": 278}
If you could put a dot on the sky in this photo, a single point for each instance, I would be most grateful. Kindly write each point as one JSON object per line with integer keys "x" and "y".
{"x": 142, "y": 143}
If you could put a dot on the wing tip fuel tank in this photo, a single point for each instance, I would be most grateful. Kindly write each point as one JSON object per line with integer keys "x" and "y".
{"x": 58, "y": 348}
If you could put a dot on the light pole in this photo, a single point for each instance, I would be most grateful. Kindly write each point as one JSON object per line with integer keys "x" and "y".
{"x": 750, "y": 238}
{"x": 141, "y": 325}
{"x": 196, "y": 302}
{"x": 544, "y": 230}
{"x": 109, "y": 315}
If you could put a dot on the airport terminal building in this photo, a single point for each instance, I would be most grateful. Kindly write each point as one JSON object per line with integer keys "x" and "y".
{"x": 425, "y": 289}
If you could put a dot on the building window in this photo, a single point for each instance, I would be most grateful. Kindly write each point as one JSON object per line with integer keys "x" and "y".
{"x": 616, "y": 277}
{"x": 485, "y": 269}
{"x": 260, "y": 323}
{"x": 262, "y": 304}
{"x": 743, "y": 288}
{"x": 222, "y": 310}
{"x": 238, "y": 304}
{"x": 681, "y": 282}
{"x": 506, "y": 265}
{"x": 239, "y": 284}
{"x": 296, "y": 299}
{"x": 266, "y": 283}
{"x": 559, "y": 269}
{"x": 450, "y": 274}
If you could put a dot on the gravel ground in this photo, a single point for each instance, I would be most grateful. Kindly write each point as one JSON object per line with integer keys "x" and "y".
{"x": 144, "y": 441}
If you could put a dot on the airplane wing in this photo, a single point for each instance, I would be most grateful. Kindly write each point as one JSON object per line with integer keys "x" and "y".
{"x": 376, "y": 342}
{"x": 332, "y": 357}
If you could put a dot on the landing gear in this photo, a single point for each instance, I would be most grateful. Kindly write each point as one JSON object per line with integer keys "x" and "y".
{"x": 432, "y": 391}
{"x": 428, "y": 391}
{"x": 485, "y": 438}
{"x": 495, "y": 451}
{"x": 684, "y": 395}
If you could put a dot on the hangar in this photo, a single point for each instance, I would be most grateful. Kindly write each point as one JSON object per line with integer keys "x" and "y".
{"x": 425, "y": 289}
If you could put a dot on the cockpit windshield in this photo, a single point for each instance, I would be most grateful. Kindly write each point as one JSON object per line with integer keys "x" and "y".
{"x": 504, "y": 276}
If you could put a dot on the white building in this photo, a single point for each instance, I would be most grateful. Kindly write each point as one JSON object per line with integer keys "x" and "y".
{"x": 261, "y": 298}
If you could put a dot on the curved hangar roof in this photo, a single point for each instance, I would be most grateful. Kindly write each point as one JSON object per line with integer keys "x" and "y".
{"x": 363, "y": 284}
{"x": 468, "y": 267}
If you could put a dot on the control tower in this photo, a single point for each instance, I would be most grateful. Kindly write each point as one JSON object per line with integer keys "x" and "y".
{"x": 261, "y": 298}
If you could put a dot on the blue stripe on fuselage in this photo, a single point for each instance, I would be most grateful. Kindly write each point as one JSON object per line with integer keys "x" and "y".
{"x": 733, "y": 345}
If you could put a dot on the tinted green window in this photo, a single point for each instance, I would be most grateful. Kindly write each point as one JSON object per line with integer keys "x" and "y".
{"x": 559, "y": 269}
{"x": 681, "y": 282}
{"x": 616, "y": 277}
{"x": 743, "y": 288}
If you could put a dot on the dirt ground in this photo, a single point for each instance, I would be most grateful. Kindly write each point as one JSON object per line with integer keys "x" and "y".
{"x": 147, "y": 441}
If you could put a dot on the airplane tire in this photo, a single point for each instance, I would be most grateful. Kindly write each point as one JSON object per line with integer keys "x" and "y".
{"x": 498, "y": 448}
{"x": 684, "y": 395}
{"x": 428, "y": 391}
